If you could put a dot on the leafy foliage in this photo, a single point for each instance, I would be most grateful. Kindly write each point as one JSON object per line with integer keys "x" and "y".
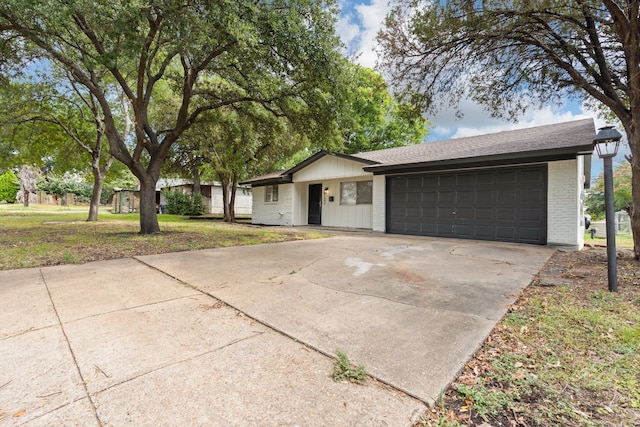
{"x": 9, "y": 187}
{"x": 181, "y": 203}
{"x": 373, "y": 120}
{"x": 621, "y": 192}
{"x": 61, "y": 185}
{"x": 281, "y": 54}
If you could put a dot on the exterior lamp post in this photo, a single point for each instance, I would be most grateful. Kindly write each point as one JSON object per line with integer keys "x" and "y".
{"x": 606, "y": 144}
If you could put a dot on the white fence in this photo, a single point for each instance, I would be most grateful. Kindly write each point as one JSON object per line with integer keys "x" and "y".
{"x": 622, "y": 225}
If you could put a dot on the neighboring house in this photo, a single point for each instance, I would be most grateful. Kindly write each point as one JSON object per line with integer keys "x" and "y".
{"x": 211, "y": 195}
{"x": 523, "y": 186}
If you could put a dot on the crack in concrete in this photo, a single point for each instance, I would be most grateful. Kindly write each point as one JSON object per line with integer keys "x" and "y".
{"x": 148, "y": 304}
{"x": 71, "y": 352}
{"x": 360, "y": 293}
{"x": 166, "y": 365}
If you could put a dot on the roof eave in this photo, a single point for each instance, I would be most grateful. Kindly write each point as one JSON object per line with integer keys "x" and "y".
{"x": 566, "y": 153}
{"x": 282, "y": 179}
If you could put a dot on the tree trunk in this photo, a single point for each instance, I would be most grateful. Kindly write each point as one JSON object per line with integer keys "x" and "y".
{"x": 98, "y": 180}
{"x": 99, "y": 174}
{"x": 196, "y": 179}
{"x": 25, "y": 198}
{"x": 148, "y": 215}
{"x": 633, "y": 135}
{"x": 224, "y": 181}
{"x": 232, "y": 201}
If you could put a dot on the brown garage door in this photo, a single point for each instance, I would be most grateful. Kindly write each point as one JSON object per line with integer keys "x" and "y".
{"x": 507, "y": 204}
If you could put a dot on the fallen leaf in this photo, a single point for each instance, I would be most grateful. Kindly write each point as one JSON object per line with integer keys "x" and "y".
{"x": 20, "y": 413}
{"x": 518, "y": 375}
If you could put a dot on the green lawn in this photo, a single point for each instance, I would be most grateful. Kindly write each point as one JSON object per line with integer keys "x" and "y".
{"x": 49, "y": 235}
{"x": 622, "y": 240}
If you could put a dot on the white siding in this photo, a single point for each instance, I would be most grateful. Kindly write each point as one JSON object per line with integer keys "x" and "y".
{"x": 336, "y": 215}
{"x": 242, "y": 203}
{"x": 330, "y": 167}
{"x": 565, "y": 222}
{"x": 330, "y": 171}
{"x": 379, "y": 203}
{"x": 273, "y": 213}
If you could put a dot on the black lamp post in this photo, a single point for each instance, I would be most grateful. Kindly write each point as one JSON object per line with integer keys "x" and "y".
{"x": 606, "y": 144}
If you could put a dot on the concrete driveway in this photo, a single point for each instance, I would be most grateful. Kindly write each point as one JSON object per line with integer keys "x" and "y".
{"x": 240, "y": 336}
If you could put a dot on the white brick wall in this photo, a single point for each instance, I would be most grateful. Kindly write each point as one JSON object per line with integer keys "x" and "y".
{"x": 273, "y": 213}
{"x": 564, "y": 204}
{"x": 379, "y": 203}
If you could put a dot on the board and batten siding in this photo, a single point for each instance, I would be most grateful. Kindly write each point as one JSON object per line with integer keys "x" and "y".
{"x": 273, "y": 213}
{"x": 330, "y": 167}
{"x": 565, "y": 210}
{"x": 331, "y": 171}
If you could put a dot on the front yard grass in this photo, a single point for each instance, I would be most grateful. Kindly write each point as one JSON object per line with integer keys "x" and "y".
{"x": 47, "y": 235}
{"x": 562, "y": 356}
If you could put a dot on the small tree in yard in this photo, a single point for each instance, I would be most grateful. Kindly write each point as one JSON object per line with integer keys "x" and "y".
{"x": 9, "y": 187}
{"x": 621, "y": 192}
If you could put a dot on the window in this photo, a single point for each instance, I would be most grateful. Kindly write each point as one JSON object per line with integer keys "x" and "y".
{"x": 356, "y": 193}
{"x": 271, "y": 193}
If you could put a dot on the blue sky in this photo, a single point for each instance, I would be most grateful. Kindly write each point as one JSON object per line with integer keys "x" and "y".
{"x": 358, "y": 25}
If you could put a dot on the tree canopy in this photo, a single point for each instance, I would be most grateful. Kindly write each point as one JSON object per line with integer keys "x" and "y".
{"x": 282, "y": 54}
{"x": 509, "y": 56}
{"x": 373, "y": 120}
{"x": 621, "y": 192}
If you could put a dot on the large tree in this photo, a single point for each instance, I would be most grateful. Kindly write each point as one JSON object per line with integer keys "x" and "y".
{"x": 55, "y": 105}
{"x": 509, "y": 56}
{"x": 283, "y": 54}
{"x": 373, "y": 119}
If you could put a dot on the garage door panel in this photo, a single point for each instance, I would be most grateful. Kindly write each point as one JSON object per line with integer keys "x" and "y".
{"x": 485, "y": 178}
{"x": 465, "y": 213}
{"x": 447, "y": 181}
{"x": 447, "y": 196}
{"x": 484, "y": 196}
{"x": 484, "y": 214}
{"x": 505, "y": 233}
{"x": 484, "y": 232}
{"x": 429, "y": 196}
{"x": 498, "y": 204}
{"x": 532, "y": 176}
{"x": 466, "y": 197}
{"x": 445, "y": 213}
{"x": 533, "y": 215}
{"x": 506, "y": 214}
{"x": 507, "y": 177}
{"x": 444, "y": 229}
{"x": 414, "y": 196}
{"x": 507, "y": 197}
{"x": 465, "y": 179}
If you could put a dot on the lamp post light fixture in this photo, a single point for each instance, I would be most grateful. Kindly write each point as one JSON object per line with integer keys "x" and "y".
{"x": 606, "y": 144}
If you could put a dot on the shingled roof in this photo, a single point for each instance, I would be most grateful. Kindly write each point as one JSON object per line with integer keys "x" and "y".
{"x": 559, "y": 141}
{"x": 551, "y": 141}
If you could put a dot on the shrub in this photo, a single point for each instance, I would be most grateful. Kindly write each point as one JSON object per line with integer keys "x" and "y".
{"x": 9, "y": 187}
{"x": 179, "y": 203}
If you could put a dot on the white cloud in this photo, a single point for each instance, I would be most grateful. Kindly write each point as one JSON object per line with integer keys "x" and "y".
{"x": 358, "y": 28}
{"x": 476, "y": 121}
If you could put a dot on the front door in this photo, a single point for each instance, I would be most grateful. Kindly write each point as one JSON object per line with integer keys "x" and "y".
{"x": 315, "y": 204}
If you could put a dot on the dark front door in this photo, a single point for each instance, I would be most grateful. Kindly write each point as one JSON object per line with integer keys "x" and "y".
{"x": 315, "y": 204}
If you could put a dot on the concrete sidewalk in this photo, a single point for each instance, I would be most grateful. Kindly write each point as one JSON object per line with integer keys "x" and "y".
{"x": 152, "y": 341}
